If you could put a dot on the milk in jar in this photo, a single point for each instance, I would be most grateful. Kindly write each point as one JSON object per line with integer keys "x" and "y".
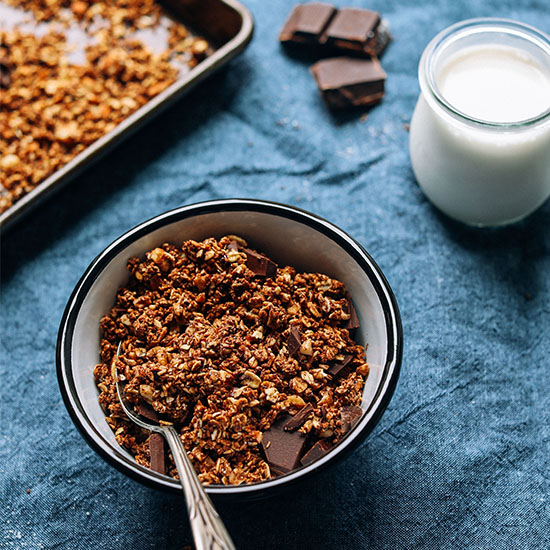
{"x": 480, "y": 133}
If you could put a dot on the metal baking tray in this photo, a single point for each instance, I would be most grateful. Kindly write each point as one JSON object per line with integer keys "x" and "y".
{"x": 226, "y": 23}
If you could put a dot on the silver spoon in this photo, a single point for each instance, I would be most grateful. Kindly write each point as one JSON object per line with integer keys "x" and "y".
{"x": 209, "y": 532}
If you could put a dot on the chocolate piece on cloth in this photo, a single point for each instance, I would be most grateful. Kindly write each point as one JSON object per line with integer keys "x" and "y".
{"x": 347, "y": 82}
{"x": 351, "y": 31}
{"x": 349, "y": 417}
{"x": 357, "y": 30}
{"x": 336, "y": 367}
{"x": 306, "y": 23}
{"x": 157, "y": 452}
{"x": 258, "y": 263}
{"x": 320, "y": 449}
{"x": 294, "y": 340}
{"x": 282, "y": 449}
{"x": 299, "y": 418}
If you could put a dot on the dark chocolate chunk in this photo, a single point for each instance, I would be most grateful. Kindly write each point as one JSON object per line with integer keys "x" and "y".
{"x": 5, "y": 73}
{"x": 337, "y": 366}
{"x": 348, "y": 82}
{"x": 294, "y": 340}
{"x": 259, "y": 264}
{"x": 349, "y": 417}
{"x": 275, "y": 472}
{"x": 353, "y": 321}
{"x": 157, "y": 453}
{"x": 320, "y": 449}
{"x": 307, "y": 23}
{"x": 283, "y": 449}
{"x": 351, "y": 29}
{"x": 298, "y": 419}
{"x": 147, "y": 412}
{"x": 357, "y": 31}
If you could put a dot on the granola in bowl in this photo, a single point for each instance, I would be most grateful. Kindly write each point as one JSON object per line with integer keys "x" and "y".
{"x": 251, "y": 362}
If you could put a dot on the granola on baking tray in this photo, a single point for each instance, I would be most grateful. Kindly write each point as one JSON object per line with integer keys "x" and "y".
{"x": 252, "y": 363}
{"x": 58, "y": 96}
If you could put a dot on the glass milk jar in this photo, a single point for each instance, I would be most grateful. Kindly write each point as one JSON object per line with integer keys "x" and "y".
{"x": 480, "y": 132}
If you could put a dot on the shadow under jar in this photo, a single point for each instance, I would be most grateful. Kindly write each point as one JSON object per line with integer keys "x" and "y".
{"x": 480, "y": 132}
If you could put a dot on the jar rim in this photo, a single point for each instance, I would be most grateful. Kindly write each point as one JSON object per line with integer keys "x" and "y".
{"x": 470, "y": 27}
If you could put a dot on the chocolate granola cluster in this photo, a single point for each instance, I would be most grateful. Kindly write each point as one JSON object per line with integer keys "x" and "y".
{"x": 248, "y": 360}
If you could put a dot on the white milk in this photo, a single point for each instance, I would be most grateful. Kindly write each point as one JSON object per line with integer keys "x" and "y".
{"x": 473, "y": 152}
{"x": 495, "y": 83}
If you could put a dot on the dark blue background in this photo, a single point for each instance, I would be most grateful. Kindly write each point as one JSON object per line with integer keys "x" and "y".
{"x": 460, "y": 459}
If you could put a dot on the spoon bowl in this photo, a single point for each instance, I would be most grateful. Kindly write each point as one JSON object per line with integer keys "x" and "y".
{"x": 209, "y": 532}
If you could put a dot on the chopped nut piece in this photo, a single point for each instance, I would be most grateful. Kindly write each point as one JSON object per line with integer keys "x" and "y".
{"x": 295, "y": 400}
{"x": 9, "y": 161}
{"x": 232, "y": 256}
{"x": 306, "y": 347}
{"x": 298, "y": 385}
{"x": 79, "y": 7}
{"x": 200, "y": 47}
{"x": 146, "y": 392}
{"x": 363, "y": 369}
{"x": 272, "y": 394}
{"x": 258, "y": 334}
{"x": 236, "y": 238}
{"x": 251, "y": 379}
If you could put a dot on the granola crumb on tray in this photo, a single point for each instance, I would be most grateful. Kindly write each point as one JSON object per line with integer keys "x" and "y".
{"x": 252, "y": 363}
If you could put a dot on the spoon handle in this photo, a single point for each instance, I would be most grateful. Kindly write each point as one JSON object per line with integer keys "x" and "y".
{"x": 209, "y": 532}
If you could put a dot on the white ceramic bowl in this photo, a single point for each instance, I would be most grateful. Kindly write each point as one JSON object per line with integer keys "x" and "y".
{"x": 290, "y": 237}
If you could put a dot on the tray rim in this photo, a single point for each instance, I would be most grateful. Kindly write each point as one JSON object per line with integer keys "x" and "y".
{"x": 129, "y": 125}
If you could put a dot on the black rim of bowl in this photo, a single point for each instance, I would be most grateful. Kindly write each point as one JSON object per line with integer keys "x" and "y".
{"x": 126, "y": 464}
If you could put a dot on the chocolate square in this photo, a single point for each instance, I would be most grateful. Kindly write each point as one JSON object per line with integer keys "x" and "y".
{"x": 320, "y": 449}
{"x": 157, "y": 453}
{"x": 145, "y": 410}
{"x": 283, "y": 449}
{"x": 298, "y": 419}
{"x": 294, "y": 341}
{"x": 351, "y": 29}
{"x": 353, "y": 321}
{"x": 337, "y": 367}
{"x": 307, "y": 23}
{"x": 349, "y": 82}
{"x": 349, "y": 417}
{"x": 258, "y": 263}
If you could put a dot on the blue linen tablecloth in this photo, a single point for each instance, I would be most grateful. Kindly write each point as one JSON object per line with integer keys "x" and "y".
{"x": 461, "y": 457}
